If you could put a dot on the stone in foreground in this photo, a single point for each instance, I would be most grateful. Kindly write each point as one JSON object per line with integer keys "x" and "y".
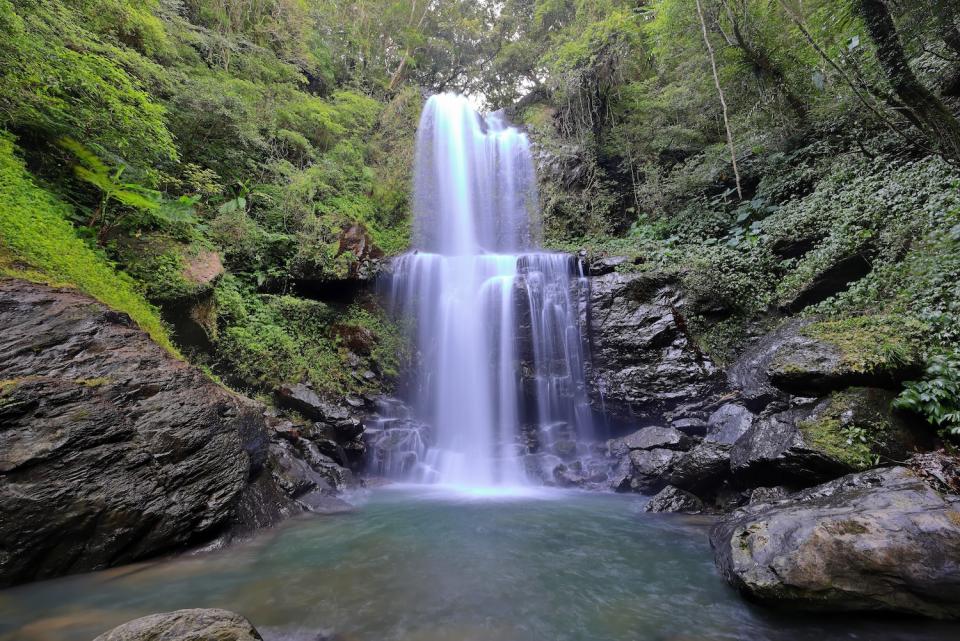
{"x": 673, "y": 499}
{"x": 185, "y": 625}
{"x": 877, "y": 540}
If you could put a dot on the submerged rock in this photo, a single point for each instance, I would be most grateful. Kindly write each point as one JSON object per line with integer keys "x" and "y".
{"x": 185, "y": 625}
{"x": 673, "y": 499}
{"x": 111, "y": 444}
{"x": 877, "y": 540}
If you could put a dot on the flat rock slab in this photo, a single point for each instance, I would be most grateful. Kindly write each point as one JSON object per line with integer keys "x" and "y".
{"x": 185, "y": 625}
{"x": 877, "y": 540}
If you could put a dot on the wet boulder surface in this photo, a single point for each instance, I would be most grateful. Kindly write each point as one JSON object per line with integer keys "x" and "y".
{"x": 644, "y": 363}
{"x": 197, "y": 624}
{"x": 111, "y": 449}
{"x": 886, "y": 539}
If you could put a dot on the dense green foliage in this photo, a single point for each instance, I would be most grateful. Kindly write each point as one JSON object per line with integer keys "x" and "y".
{"x": 37, "y": 242}
{"x": 278, "y": 133}
{"x": 263, "y": 131}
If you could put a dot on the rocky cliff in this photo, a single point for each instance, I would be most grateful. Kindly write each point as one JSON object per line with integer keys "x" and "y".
{"x": 112, "y": 450}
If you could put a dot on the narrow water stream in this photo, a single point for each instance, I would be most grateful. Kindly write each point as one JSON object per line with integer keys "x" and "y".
{"x": 417, "y": 563}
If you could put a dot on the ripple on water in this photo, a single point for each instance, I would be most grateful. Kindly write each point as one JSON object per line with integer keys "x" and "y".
{"x": 444, "y": 563}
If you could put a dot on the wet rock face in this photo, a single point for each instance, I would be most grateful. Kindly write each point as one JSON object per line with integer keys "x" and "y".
{"x": 110, "y": 449}
{"x": 643, "y": 362}
{"x": 775, "y": 450}
{"x": 877, "y": 540}
{"x": 649, "y": 438}
{"x": 673, "y": 499}
{"x": 185, "y": 625}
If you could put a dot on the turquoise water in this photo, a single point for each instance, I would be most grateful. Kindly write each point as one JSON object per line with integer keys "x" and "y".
{"x": 423, "y": 564}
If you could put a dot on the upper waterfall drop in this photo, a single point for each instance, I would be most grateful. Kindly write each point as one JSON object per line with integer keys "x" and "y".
{"x": 498, "y": 326}
{"x": 475, "y": 189}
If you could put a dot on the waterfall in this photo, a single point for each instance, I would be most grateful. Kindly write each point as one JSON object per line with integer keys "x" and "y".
{"x": 497, "y": 325}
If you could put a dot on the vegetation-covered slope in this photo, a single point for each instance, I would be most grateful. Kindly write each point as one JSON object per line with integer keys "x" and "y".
{"x": 778, "y": 157}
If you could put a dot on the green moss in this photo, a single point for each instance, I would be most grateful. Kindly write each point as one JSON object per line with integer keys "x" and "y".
{"x": 855, "y": 427}
{"x": 871, "y": 343}
{"x": 827, "y": 434}
{"x": 264, "y": 341}
{"x": 37, "y": 242}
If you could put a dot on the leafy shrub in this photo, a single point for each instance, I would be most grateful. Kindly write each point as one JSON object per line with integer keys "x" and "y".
{"x": 937, "y": 396}
{"x": 38, "y": 242}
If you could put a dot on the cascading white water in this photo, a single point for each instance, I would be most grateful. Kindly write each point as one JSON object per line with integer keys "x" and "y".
{"x": 498, "y": 326}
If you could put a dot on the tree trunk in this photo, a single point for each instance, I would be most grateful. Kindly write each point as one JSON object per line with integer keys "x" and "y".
{"x": 764, "y": 66}
{"x": 937, "y": 122}
{"x": 723, "y": 100}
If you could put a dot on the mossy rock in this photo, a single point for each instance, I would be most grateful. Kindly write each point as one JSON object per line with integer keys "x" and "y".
{"x": 172, "y": 272}
{"x": 859, "y": 427}
{"x": 879, "y": 351}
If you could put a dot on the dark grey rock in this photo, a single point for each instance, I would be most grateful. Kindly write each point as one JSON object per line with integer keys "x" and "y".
{"x": 690, "y": 426}
{"x": 728, "y": 423}
{"x": 774, "y": 451}
{"x": 649, "y": 438}
{"x": 702, "y": 469}
{"x": 649, "y": 468}
{"x": 110, "y": 443}
{"x": 748, "y": 374}
{"x": 673, "y": 499}
{"x": 643, "y": 362}
{"x": 185, "y": 625}
{"x": 832, "y": 278}
{"x": 876, "y": 540}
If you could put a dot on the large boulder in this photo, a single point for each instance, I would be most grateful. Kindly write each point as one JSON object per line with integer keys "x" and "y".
{"x": 111, "y": 450}
{"x": 844, "y": 432}
{"x": 185, "y": 625}
{"x": 775, "y": 451}
{"x": 877, "y": 540}
{"x": 832, "y": 355}
{"x": 644, "y": 362}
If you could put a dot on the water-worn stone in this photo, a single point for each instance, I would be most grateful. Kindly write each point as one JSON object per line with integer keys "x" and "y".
{"x": 673, "y": 499}
{"x": 775, "y": 450}
{"x": 702, "y": 469}
{"x": 649, "y": 467}
{"x": 728, "y": 423}
{"x": 109, "y": 443}
{"x": 877, "y": 540}
{"x": 644, "y": 363}
{"x": 185, "y": 625}
{"x": 649, "y": 438}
